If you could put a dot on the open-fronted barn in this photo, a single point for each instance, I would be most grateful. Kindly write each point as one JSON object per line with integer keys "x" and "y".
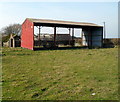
{"x": 92, "y": 34}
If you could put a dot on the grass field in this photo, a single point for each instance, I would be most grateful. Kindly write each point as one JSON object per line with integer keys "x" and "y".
{"x": 76, "y": 74}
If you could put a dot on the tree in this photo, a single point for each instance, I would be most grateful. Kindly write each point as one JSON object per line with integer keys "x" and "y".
{"x": 12, "y": 29}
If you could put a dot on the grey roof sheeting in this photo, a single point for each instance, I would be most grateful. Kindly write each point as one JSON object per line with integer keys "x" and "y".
{"x": 63, "y": 22}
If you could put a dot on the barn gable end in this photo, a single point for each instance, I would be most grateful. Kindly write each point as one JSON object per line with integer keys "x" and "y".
{"x": 27, "y": 37}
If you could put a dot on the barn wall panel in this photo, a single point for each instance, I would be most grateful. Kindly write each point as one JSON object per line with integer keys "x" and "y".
{"x": 92, "y": 37}
{"x": 97, "y": 38}
{"x": 27, "y": 39}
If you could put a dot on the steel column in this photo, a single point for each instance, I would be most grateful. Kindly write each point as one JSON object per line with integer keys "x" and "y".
{"x": 39, "y": 35}
{"x": 90, "y": 38}
{"x": 54, "y": 36}
{"x": 69, "y": 35}
{"x": 72, "y": 36}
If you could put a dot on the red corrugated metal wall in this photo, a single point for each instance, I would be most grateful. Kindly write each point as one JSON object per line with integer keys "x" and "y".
{"x": 27, "y": 36}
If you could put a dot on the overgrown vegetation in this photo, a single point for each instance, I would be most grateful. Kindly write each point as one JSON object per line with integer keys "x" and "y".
{"x": 11, "y": 29}
{"x": 111, "y": 42}
{"x": 5, "y": 38}
{"x": 80, "y": 74}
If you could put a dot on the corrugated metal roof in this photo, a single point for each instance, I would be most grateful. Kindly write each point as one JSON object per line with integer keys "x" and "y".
{"x": 62, "y": 22}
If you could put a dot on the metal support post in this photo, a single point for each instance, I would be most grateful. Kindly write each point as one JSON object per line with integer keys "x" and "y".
{"x": 54, "y": 36}
{"x": 39, "y": 36}
{"x": 69, "y": 35}
{"x": 72, "y": 36}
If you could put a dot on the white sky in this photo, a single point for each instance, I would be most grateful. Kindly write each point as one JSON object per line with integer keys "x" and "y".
{"x": 93, "y": 12}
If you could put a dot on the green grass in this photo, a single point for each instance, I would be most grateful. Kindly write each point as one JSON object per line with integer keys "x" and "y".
{"x": 60, "y": 74}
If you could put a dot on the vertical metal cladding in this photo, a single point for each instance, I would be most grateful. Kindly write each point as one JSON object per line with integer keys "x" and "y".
{"x": 97, "y": 37}
{"x": 27, "y": 36}
{"x": 92, "y": 37}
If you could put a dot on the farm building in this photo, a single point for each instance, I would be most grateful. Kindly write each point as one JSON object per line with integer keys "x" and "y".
{"x": 14, "y": 41}
{"x": 92, "y": 34}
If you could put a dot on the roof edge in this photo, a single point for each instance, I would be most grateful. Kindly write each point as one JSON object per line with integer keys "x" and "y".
{"x": 92, "y": 24}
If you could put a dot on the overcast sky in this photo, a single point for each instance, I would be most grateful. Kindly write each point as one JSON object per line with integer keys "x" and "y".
{"x": 93, "y": 12}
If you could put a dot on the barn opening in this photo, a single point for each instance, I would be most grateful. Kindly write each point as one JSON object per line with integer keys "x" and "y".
{"x": 32, "y": 36}
{"x": 45, "y": 37}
